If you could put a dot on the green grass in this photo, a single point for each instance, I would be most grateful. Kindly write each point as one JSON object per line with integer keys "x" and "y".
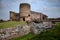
{"x": 26, "y": 37}
{"x": 10, "y": 24}
{"x": 52, "y": 34}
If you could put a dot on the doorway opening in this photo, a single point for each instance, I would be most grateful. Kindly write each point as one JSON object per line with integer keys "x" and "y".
{"x": 23, "y": 18}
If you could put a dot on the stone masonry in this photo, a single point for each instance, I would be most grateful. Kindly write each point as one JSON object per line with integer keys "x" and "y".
{"x": 25, "y": 14}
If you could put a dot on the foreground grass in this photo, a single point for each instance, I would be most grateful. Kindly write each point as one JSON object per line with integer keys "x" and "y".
{"x": 10, "y": 24}
{"x": 53, "y": 34}
{"x": 26, "y": 37}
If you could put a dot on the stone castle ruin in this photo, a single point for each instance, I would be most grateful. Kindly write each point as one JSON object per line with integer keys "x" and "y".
{"x": 25, "y": 14}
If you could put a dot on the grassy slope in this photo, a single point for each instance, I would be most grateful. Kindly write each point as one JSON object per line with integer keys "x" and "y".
{"x": 10, "y": 24}
{"x": 53, "y": 34}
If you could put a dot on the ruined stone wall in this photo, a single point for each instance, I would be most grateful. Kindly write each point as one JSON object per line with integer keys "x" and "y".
{"x": 26, "y": 14}
{"x": 12, "y": 16}
{"x": 17, "y": 31}
{"x": 38, "y": 16}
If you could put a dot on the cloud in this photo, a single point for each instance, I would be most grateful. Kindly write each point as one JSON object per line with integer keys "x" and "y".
{"x": 52, "y": 9}
{"x": 50, "y": 3}
{"x": 46, "y": 6}
{"x": 22, "y": 1}
{"x": 53, "y": 1}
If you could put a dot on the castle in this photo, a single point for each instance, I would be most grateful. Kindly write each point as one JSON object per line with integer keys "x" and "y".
{"x": 25, "y": 14}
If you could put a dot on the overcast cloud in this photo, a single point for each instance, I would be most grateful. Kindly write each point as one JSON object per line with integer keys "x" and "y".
{"x": 49, "y": 7}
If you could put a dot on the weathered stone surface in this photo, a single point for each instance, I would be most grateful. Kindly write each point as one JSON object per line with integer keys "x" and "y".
{"x": 12, "y": 32}
{"x": 37, "y": 28}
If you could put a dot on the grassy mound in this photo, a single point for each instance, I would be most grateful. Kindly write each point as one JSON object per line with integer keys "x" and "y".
{"x": 10, "y": 24}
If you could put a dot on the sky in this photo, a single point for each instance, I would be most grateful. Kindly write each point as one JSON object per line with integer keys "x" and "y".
{"x": 51, "y": 8}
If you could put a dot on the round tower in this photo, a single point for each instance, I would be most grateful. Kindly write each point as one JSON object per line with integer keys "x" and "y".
{"x": 24, "y": 10}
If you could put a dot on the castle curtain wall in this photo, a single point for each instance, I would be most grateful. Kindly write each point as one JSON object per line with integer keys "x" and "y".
{"x": 33, "y": 16}
{"x": 14, "y": 16}
{"x": 38, "y": 16}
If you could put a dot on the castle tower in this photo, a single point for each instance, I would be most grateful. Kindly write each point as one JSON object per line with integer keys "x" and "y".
{"x": 24, "y": 11}
{"x": 12, "y": 16}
